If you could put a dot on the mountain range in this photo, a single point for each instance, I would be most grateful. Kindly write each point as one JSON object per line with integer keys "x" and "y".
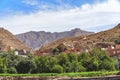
{"x": 88, "y": 41}
{"x": 49, "y": 40}
{"x": 37, "y": 39}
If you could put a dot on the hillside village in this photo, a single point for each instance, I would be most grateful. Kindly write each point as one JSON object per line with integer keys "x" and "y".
{"x": 77, "y": 44}
{"x": 112, "y": 48}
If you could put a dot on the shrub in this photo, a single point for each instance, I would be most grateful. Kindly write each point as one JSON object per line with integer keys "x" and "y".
{"x": 57, "y": 69}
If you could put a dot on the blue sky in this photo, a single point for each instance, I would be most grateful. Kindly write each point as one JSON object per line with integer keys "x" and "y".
{"x": 20, "y": 16}
{"x": 28, "y": 6}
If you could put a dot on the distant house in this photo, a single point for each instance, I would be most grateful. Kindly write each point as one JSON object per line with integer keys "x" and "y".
{"x": 105, "y": 46}
{"x": 20, "y": 52}
{"x": 76, "y": 49}
{"x": 117, "y": 46}
{"x": 114, "y": 52}
{"x": 16, "y": 52}
{"x": 47, "y": 52}
{"x": 112, "y": 49}
{"x": 38, "y": 53}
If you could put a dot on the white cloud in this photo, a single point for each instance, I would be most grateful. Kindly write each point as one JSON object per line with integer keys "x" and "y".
{"x": 31, "y": 2}
{"x": 85, "y": 17}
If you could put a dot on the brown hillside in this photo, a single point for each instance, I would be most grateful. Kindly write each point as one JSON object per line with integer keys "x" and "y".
{"x": 88, "y": 41}
{"x": 7, "y": 40}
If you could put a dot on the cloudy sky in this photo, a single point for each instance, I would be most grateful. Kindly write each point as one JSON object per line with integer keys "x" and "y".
{"x": 20, "y": 16}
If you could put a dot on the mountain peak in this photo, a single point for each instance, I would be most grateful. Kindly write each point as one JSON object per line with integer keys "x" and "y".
{"x": 37, "y": 39}
{"x": 76, "y": 29}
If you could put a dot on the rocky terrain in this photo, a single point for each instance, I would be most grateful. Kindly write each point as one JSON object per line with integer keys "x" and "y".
{"x": 89, "y": 40}
{"x": 37, "y": 39}
{"x": 8, "y": 40}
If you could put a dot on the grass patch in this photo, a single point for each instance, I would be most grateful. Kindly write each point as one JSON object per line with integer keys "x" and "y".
{"x": 79, "y": 74}
{"x": 90, "y": 74}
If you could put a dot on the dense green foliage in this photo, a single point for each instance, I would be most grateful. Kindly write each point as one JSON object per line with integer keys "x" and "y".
{"x": 95, "y": 60}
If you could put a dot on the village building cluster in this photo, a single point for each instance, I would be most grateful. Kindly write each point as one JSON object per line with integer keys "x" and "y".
{"x": 112, "y": 48}
{"x": 9, "y": 48}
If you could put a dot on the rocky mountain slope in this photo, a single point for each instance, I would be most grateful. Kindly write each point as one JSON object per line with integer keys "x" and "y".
{"x": 37, "y": 39}
{"x": 8, "y": 40}
{"x": 88, "y": 41}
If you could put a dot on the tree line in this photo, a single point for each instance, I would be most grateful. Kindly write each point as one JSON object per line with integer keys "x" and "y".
{"x": 95, "y": 60}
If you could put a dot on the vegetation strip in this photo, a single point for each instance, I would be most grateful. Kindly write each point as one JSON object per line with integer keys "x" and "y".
{"x": 79, "y": 74}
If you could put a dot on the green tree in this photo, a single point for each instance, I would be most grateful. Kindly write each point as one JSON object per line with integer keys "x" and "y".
{"x": 25, "y": 66}
{"x": 55, "y": 51}
{"x": 117, "y": 61}
{"x": 72, "y": 57}
{"x": 81, "y": 67}
{"x": 74, "y": 66}
{"x": 3, "y": 65}
{"x": 30, "y": 56}
{"x": 85, "y": 59}
{"x": 12, "y": 70}
{"x": 94, "y": 64}
{"x": 52, "y": 62}
{"x": 42, "y": 64}
{"x": 63, "y": 61}
{"x": 13, "y": 60}
{"x": 107, "y": 64}
{"x": 67, "y": 67}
